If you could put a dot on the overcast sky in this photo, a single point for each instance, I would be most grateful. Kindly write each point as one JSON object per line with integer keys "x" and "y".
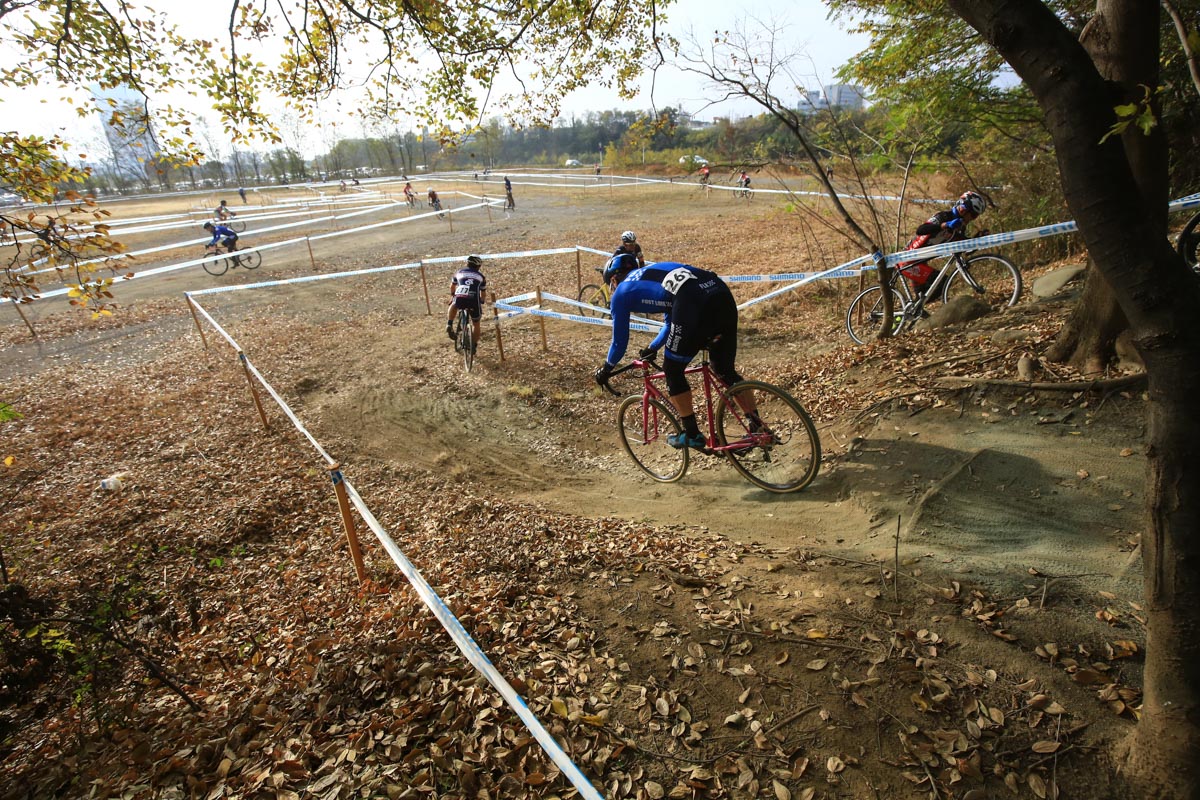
{"x": 826, "y": 44}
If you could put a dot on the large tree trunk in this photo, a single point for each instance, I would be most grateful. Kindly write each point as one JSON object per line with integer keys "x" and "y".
{"x": 1088, "y": 338}
{"x": 1123, "y": 226}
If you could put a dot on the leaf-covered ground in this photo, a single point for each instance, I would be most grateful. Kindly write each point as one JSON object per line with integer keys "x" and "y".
{"x": 201, "y": 633}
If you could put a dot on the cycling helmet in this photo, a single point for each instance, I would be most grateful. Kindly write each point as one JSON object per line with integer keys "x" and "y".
{"x": 208, "y": 226}
{"x": 474, "y": 262}
{"x": 629, "y": 237}
{"x": 972, "y": 202}
{"x": 619, "y": 266}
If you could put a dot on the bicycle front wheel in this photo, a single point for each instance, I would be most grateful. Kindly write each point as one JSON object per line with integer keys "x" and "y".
{"x": 251, "y": 260}
{"x": 237, "y": 226}
{"x": 593, "y": 295}
{"x": 781, "y": 452}
{"x": 644, "y": 427}
{"x": 216, "y": 266}
{"x": 991, "y": 278}
{"x": 1189, "y": 242}
{"x": 464, "y": 343}
{"x": 864, "y": 318}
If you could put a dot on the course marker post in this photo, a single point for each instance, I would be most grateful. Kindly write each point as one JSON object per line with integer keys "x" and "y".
{"x": 253, "y": 390}
{"x": 196, "y": 318}
{"x": 450, "y": 218}
{"x": 311, "y": 259}
{"x": 499, "y": 338}
{"x": 425, "y": 286}
{"x": 25, "y": 319}
{"x": 339, "y": 488}
{"x": 541, "y": 319}
{"x": 578, "y": 271}
{"x": 488, "y": 206}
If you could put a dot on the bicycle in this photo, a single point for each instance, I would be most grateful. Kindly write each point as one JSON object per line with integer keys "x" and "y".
{"x": 436, "y": 205}
{"x": 743, "y": 193}
{"x": 595, "y": 294}
{"x": 220, "y": 264}
{"x": 1189, "y": 242}
{"x": 776, "y": 447}
{"x": 988, "y": 276}
{"x": 235, "y": 225}
{"x": 464, "y": 343}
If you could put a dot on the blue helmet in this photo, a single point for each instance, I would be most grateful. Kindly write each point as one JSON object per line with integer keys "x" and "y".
{"x": 619, "y": 266}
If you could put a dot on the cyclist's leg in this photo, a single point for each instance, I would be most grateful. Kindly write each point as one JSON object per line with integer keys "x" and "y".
{"x": 451, "y": 313}
{"x": 721, "y": 321}
{"x": 683, "y": 342}
{"x": 476, "y": 313}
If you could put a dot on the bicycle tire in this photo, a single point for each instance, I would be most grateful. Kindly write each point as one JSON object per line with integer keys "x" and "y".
{"x": 786, "y": 463}
{"x": 216, "y": 267}
{"x": 644, "y": 428}
{"x": 463, "y": 345}
{"x": 237, "y": 226}
{"x": 996, "y": 276}
{"x": 38, "y": 252}
{"x": 250, "y": 260}
{"x": 864, "y": 318}
{"x": 593, "y": 295}
{"x": 1189, "y": 242}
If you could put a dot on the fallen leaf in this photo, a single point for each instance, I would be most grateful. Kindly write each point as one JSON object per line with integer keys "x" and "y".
{"x": 1037, "y": 785}
{"x": 835, "y": 764}
{"x": 781, "y": 791}
{"x": 817, "y": 664}
{"x": 1045, "y": 747}
{"x": 1126, "y": 452}
{"x": 781, "y": 659}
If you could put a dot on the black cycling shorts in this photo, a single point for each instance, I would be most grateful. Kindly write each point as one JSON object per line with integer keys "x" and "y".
{"x": 470, "y": 302}
{"x": 703, "y": 315}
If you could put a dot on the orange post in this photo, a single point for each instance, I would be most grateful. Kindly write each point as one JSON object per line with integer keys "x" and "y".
{"x": 253, "y": 390}
{"x": 29, "y": 325}
{"x": 542, "y": 320}
{"x": 339, "y": 488}
{"x": 450, "y": 219}
{"x": 311, "y": 260}
{"x": 425, "y": 286}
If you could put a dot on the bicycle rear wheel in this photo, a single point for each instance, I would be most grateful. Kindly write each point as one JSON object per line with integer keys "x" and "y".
{"x": 593, "y": 295}
{"x": 216, "y": 266}
{"x": 238, "y": 226}
{"x": 864, "y": 318}
{"x": 251, "y": 260}
{"x": 1189, "y": 242}
{"x": 644, "y": 428}
{"x": 463, "y": 343}
{"x": 783, "y": 455}
{"x": 991, "y": 278}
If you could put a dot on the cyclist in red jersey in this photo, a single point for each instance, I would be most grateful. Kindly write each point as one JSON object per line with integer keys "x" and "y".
{"x": 944, "y": 226}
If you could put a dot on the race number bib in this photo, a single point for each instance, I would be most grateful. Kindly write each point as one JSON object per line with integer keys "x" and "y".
{"x": 676, "y": 278}
{"x": 462, "y": 290}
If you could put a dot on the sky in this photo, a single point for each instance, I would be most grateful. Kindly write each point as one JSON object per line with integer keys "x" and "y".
{"x": 825, "y": 44}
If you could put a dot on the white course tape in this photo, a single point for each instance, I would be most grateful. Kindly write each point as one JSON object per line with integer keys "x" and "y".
{"x": 466, "y": 645}
{"x": 304, "y": 279}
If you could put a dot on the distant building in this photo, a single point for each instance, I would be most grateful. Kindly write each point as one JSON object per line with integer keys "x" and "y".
{"x": 837, "y": 95}
{"x": 133, "y": 147}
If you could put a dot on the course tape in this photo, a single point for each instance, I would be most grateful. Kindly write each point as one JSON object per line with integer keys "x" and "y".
{"x": 463, "y": 640}
{"x": 304, "y": 279}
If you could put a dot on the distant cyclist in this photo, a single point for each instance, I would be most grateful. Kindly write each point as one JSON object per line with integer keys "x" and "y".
{"x": 223, "y": 234}
{"x": 435, "y": 202}
{"x": 466, "y": 290}
{"x": 509, "y": 203}
{"x": 629, "y": 244}
{"x": 700, "y": 312}
{"x": 704, "y": 173}
{"x": 223, "y": 212}
{"x": 744, "y": 180}
{"x": 409, "y": 194}
{"x": 944, "y": 226}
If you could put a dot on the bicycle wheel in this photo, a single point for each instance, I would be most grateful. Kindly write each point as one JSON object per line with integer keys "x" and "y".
{"x": 216, "y": 266}
{"x": 865, "y": 315}
{"x": 1189, "y": 242}
{"x": 593, "y": 295}
{"x": 251, "y": 260}
{"x": 238, "y": 226}
{"x": 644, "y": 428}
{"x": 784, "y": 454}
{"x": 464, "y": 344}
{"x": 991, "y": 278}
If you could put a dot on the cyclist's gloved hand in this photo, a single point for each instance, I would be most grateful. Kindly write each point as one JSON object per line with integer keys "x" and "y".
{"x": 648, "y": 353}
{"x": 955, "y": 224}
{"x": 603, "y": 374}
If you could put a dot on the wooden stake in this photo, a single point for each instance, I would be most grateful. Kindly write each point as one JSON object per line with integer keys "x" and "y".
{"x": 425, "y": 286}
{"x": 499, "y": 338}
{"x": 196, "y": 319}
{"x": 339, "y": 488}
{"x": 542, "y": 320}
{"x": 25, "y": 319}
{"x": 311, "y": 260}
{"x": 488, "y": 206}
{"x": 253, "y": 390}
{"x": 450, "y": 219}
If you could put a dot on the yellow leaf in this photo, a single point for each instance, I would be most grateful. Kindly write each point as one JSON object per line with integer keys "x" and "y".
{"x": 817, "y": 664}
{"x": 1045, "y": 747}
{"x": 9, "y": 461}
{"x": 558, "y": 707}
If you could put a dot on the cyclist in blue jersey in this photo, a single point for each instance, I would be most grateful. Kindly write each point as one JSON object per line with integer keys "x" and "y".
{"x": 222, "y": 233}
{"x": 700, "y": 312}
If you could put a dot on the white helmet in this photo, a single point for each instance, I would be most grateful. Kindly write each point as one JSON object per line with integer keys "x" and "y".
{"x": 628, "y": 237}
{"x": 973, "y": 202}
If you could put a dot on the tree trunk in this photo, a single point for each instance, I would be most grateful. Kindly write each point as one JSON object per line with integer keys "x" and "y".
{"x": 1087, "y": 339}
{"x": 1123, "y": 226}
